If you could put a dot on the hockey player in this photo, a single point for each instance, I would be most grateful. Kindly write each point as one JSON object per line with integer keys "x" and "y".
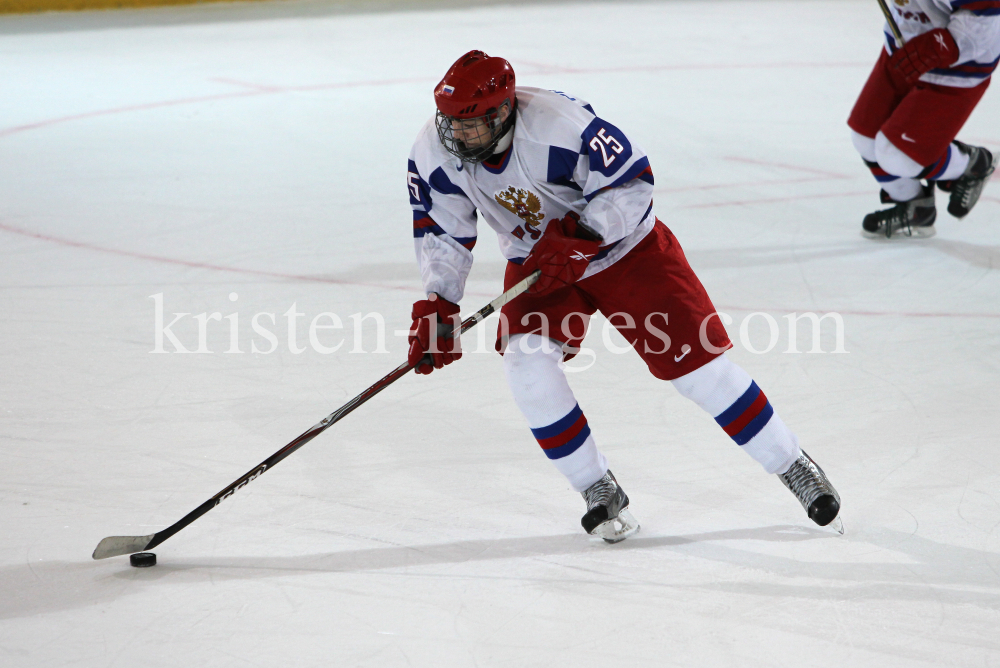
{"x": 569, "y": 194}
{"x": 915, "y": 101}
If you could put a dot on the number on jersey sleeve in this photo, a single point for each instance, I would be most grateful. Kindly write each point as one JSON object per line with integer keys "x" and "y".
{"x": 607, "y": 147}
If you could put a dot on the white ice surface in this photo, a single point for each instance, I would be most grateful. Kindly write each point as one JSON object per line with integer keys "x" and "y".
{"x": 198, "y": 152}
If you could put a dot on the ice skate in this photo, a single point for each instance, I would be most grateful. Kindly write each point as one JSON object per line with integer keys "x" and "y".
{"x": 966, "y": 189}
{"x": 607, "y": 511}
{"x": 912, "y": 218}
{"x": 813, "y": 489}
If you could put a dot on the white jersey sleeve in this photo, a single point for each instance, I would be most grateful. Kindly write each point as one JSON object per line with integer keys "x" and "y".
{"x": 444, "y": 219}
{"x": 615, "y": 213}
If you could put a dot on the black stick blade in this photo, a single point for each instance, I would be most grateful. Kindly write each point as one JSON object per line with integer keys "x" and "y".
{"x": 115, "y": 546}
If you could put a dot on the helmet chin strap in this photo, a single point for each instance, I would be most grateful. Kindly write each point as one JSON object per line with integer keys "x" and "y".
{"x": 504, "y": 142}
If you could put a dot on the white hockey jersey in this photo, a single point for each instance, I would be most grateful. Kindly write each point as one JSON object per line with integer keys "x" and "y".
{"x": 975, "y": 25}
{"x": 563, "y": 158}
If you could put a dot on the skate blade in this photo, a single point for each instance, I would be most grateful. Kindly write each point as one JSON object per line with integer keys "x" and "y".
{"x": 618, "y": 529}
{"x": 924, "y": 232}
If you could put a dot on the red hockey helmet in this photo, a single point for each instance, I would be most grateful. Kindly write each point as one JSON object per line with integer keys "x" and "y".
{"x": 475, "y": 105}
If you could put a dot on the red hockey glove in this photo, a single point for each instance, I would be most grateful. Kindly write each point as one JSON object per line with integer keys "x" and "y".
{"x": 561, "y": 255}
{"x": 923, "y": 53}
{"x": 431, "y": 344}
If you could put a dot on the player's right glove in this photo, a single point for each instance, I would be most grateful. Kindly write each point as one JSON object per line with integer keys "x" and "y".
{"x": 561, "y": 255}
{"x": 431, "y": 343}
{"x": 930, "y": 50}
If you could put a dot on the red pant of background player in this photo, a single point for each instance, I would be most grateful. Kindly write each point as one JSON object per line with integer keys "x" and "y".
{"x": 906, "y": 132}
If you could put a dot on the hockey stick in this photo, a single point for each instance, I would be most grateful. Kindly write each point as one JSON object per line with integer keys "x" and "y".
{"x": 114, "y": 546}
{"x": 892, "y": 23}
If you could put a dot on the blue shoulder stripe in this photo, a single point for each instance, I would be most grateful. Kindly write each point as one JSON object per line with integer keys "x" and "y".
{"x": 562, "y": 165}
{"x": 441, "y": 183}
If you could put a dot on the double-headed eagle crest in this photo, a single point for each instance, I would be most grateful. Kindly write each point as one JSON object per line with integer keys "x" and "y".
{"x": 523, "y": 204}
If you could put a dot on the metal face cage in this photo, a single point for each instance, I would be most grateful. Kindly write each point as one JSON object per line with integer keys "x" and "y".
{"x": 473, "y": 139}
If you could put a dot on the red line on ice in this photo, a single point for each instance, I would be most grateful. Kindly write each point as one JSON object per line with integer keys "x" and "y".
{"x": 319, "y": 279}
{"x": 264, "y": 89}
{"x": 820, "y": 176}
{"x": 900, "y": 314}
{"x": 716, "y": 186}
{"x": 255, "y": 90}
{"x": 190, "y": 263}
{"x": 562, "y": 69}
{"x": 782, "y": 165}
{"x": 775, "y": 199}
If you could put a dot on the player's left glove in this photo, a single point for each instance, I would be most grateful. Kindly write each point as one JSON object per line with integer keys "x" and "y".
{"x": 930, "y": 50}
{"x": 561, "y": 255}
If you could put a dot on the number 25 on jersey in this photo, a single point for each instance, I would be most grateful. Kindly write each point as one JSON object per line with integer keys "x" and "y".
{"x": 602, "y": 142}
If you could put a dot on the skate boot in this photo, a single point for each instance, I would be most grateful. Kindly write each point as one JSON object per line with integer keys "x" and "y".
{"x": 913, "y": 218}
{"x": 812, "y": 488}
{"x": 607, "y": 511}
{"x": 966, "y": 189}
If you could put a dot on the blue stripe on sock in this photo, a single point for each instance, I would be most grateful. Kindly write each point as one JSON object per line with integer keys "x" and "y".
{"x": 941, "y": 168}
{"x": 738, "y": 406}
{"x": 570, "y": 447}
{"x": 755, "y": 425}
{"x": 559, "y": 426}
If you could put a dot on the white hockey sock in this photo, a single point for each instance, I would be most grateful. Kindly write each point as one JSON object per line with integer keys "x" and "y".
{"x": 898, "y": 184}
{"x": 903, "y": 190}
{"x": 899, "y": 174}
{"x": 728, "y": 394}
{"x": 539, "y": 386}
{"x": 895, "y": 162}
{"x": 951, "y": 166}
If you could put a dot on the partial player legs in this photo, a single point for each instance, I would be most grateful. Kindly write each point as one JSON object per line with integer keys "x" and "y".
{"x": 727, "y": 393}
{"x": 962, "y": 171}
{"x": 540, "y": 390}
{"x": 906, "y": 136}
{"x": 966, "y": 189}
{"x": 683, "y": 343}
{"x": 898, "y": 174}
{"x": 539, "y": 386}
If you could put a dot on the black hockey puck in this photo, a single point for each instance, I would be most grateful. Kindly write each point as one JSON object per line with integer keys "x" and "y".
{"x": 143, "y": 559}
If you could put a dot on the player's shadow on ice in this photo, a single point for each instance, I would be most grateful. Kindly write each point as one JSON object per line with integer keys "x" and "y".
{"x": 905, "y": 567}
{"x": 987, "y": 257}
{"x": 460, "y": 552}
{"x": 909, "y": 567}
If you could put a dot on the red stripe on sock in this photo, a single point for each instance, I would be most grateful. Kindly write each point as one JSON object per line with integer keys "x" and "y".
{"x": 752, "y": 411}
{"x": 566, "y": 436}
